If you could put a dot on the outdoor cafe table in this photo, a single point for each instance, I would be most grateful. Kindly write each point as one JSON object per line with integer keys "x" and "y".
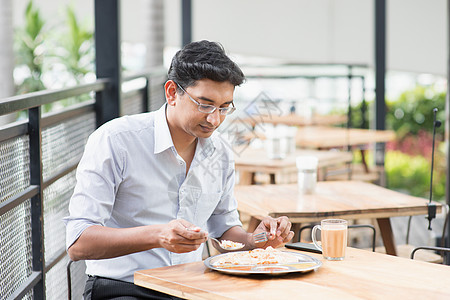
{"x": 295, "y": 120}
{"x": 251, "y": 161}
{"x": 361, "y": 275}
{"x": 350, "y": 200}
{"x": 321, "y": 137}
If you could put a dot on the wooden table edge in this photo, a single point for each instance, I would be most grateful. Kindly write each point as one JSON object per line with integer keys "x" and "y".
{"x": 178, "y": 290}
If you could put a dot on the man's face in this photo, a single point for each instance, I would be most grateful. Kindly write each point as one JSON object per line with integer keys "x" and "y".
{"x": 205, "y": 91}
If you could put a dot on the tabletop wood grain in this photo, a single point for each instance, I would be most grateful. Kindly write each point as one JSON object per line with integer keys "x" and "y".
{"x": 361, "y": 275}
{"x": 296, "y": 120}
{"x": 349, "y": 200}
{"x": 319, "y": 137}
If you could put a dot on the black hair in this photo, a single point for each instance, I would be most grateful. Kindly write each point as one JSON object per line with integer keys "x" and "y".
{"x": 203, "y": 59}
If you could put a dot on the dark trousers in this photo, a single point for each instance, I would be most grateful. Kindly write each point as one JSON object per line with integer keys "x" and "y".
{"x": 101, "y": 288}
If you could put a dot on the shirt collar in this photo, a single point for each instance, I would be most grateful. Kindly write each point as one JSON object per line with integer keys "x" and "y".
{"x": 163, "y": 139}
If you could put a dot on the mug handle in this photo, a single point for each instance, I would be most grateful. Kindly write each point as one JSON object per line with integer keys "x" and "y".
{"x": 313, "y": 236}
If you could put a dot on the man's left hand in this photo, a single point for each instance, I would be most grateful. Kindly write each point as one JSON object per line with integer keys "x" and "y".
{"x": 278, "y": 231}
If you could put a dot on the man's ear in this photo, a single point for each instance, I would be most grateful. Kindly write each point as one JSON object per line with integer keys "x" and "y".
{"x": 170, "y": 89}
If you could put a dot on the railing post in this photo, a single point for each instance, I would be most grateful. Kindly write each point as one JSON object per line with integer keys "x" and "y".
{"x": 37, "y": 209}
{"x": 349, "y": 91}
{"x": 380, "y": 71}
{"x": 364, "y": 124}
{"x": 107, "y": 61}
{"x": 186, "y": 21}
{"x": 146, "y": 95}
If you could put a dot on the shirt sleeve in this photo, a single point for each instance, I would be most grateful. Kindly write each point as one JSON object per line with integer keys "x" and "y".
{"x": 98, "y": 178}
{"x": 225, "y": 214}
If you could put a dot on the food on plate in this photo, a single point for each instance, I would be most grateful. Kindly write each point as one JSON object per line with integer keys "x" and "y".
{"x": 230, "y": 244}
{"x": 256, "y": 257}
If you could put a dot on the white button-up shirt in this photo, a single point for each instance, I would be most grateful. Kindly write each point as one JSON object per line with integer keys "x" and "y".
{"x": 131, "y": 175}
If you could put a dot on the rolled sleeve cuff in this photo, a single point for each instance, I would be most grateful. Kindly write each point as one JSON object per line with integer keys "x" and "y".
{"x": 75, "y": 227}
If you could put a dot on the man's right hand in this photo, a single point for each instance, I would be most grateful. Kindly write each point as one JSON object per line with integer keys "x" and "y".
{"x": 180, "y": 236}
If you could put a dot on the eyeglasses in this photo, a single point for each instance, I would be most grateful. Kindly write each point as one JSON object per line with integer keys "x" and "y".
{"x": 209, "y": 109}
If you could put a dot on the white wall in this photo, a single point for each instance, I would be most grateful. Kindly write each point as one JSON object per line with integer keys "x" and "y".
{"x": 417, "y": 35}
{"x": 340, "y": 31}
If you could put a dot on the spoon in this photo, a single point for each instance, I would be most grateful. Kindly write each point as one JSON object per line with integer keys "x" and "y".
{"x": 221, "y": 244}
{"x": 236, "y": 245}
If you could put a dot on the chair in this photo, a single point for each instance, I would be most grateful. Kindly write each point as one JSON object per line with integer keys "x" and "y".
{"x": 441, "y": 250}
{"x": 69, "y": 280}
{"x": 77, "y": 282}
{"x": 371, "y": 227}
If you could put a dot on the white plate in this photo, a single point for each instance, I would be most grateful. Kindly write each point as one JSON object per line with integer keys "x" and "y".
{"x": 305, "y": 263}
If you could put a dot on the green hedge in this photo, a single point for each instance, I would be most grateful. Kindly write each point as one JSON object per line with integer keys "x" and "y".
{"x": 408, "y": 158}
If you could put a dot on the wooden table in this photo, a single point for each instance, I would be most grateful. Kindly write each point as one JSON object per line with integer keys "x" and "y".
{"x": 251, "y": 161}
{"x": 361, "y": 275}
{"x": 320, "y": 137}
{"x": 295, "y": 120}
{"x": 349, "y": 200}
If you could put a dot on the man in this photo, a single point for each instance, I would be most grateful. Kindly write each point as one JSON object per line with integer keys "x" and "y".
{"x": 152, "y": 187}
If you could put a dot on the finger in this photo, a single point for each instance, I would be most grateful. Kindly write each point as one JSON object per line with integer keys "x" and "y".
{"x": 288, "y": 237}
{"x": 188, "y": 225}
{"x": 273, "y": 225}
{"x": 185, "y": 248}
{"x": 190, "y": 231}
{"x": 284, "y": 227}
{"x": 190, "y": 242}
{"x": 195, "y": 235}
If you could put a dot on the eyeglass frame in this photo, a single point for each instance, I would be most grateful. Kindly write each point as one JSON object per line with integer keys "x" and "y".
{"x": 228, "y": 110}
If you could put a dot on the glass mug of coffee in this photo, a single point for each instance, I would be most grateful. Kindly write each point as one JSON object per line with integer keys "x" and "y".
{"x": 334, "y": 238}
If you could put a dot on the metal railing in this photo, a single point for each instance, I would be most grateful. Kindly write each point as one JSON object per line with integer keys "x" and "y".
{"x": 38, "y": 159}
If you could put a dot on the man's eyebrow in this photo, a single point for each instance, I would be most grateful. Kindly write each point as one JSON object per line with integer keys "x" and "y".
{"x": 212, "y": 101}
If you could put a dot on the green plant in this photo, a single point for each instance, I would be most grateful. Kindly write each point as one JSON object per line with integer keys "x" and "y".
{"x": 358, "y": 111}
{"x": 30, "y": 50}
{"x": 413, "y": 111}
{"x": 411, "y": 174}
{"x": 77, "y": 44}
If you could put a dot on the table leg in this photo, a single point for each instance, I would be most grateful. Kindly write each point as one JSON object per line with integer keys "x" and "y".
{"x": 296, "y": 228}
{"x": 363, "y": 160}
{"x": 387, "y": 235}
{"x": 272, "y": 178}
{"x": 246, "y": 178}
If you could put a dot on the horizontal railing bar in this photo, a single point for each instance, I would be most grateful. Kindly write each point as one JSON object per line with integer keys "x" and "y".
{"x": 26, "y": 286}
{"x": 74, "y": 111}
{"x": 13, "y": 130}
{"x": 129, "y": 94}
{"x": 35, "y": 99}
{"x": 59, "y": 175}
{"x": 18, "y": 199}
{"x": 54, "y": 260}
{"x": 157, "y": 71}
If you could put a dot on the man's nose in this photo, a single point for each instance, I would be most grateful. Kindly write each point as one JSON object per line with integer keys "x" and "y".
{"x": 214, "y": 118}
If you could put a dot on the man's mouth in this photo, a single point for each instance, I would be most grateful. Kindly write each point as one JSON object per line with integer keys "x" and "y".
{"x": 207, "y": 128}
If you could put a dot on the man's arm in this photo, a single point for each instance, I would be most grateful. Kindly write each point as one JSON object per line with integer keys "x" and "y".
{"x": 99, "y": 242}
